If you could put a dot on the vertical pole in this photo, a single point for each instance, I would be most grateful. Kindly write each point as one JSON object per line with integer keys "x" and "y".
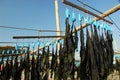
{"x": 115, "y": 44}
{"x": 57, "y": 21}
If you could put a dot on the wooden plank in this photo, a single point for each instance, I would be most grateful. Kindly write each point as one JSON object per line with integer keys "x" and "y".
{"x": 85, "y": 10}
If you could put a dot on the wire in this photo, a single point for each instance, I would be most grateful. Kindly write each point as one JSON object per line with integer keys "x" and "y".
{"x": 114, "y": 23}
{"x": 11, "y": 42}
{"x": 89, "y": 6}
{"x": 100, "y": 13}
{"x": 30, "y": 29}
{"x": 18, "y": 28}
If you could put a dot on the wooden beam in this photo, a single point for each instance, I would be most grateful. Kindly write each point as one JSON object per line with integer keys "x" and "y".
{"x": 7, "y": 47}
{"x": 85, "y": 10}
{"x": 11, "y": 47}
{"x": 28, "y": 37}
{"x": 6, "y": 55}
{"x": 110, "y": 11}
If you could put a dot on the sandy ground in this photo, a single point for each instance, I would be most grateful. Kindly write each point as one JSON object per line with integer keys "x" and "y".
{"x": 113, "y": 76}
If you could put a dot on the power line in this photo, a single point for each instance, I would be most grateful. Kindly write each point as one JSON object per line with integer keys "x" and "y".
{"x": 30, "y": 29}
{"x": 100, "y": 13}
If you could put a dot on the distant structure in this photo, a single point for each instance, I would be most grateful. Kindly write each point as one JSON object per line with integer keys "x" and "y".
{"x": 116, "y": 51}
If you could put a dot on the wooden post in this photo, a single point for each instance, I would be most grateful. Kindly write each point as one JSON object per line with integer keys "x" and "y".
{"x": 115, "y": 44}
{"x": 110, "y": 11}
{"x": 57, "y": 21}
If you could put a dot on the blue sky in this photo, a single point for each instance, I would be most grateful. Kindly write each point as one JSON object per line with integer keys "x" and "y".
{"x": 40, "y": 14}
